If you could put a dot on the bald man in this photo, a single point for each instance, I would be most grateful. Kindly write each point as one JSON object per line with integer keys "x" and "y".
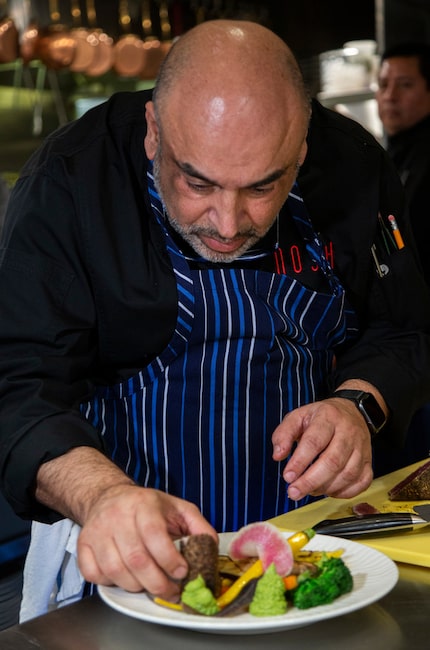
{"x": 198, "y": 326}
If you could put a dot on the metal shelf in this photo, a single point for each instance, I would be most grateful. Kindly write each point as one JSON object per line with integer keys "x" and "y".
{"x": 347, "y": 97}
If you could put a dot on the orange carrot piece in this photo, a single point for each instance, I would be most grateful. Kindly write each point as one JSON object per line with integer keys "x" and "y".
{"x": 290, "y": 582}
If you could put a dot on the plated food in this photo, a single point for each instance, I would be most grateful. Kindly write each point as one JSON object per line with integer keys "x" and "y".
{"x": 263, "y": 573}
{"x": 374, "y": 575}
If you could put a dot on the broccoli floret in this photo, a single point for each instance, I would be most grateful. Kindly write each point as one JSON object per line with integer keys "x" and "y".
{"x": 333, "y": 580}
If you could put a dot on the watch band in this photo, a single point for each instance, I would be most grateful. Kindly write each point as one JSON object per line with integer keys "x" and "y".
{"x": 368, "y": 407}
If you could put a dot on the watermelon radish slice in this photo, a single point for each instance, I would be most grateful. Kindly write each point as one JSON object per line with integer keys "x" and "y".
{"x": 265, "y": 541}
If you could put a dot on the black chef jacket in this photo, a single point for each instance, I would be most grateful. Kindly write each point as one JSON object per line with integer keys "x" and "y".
{"x": 88, "y": 295}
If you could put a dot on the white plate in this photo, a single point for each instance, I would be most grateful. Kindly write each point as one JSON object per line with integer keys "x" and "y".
{"x": 373, "y": 572}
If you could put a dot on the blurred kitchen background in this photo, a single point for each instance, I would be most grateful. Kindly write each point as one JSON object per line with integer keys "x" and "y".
{"x": 48, "y": 76}
{"x": 60, "y": 57}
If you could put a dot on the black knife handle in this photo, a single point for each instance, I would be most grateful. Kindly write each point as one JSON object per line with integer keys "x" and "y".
{"x": 365, "y": 525}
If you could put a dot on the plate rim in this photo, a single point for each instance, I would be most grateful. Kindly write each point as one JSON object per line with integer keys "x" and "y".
{"x": 246, "y": 623}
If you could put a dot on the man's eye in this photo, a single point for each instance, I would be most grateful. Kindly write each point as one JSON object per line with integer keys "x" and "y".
{"x": 197, "y": 186}
{"x": 261, "y": 190}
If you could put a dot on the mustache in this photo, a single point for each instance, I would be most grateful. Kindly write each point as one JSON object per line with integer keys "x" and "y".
{"x": 202, "y": 231}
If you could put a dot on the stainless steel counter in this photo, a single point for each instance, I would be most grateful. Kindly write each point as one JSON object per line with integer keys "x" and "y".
{"x": 397, "y": 622}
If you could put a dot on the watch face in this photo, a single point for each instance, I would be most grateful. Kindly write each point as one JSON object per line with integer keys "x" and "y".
{"x": 368, "y": 407}
{"x": 371, "y": 410}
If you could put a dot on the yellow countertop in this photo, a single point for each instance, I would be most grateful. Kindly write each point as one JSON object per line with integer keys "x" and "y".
{"x": 409, "y": 547}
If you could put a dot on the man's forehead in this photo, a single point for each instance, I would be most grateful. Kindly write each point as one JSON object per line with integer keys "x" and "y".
{"x": 401, "y": 66}
{"x": 229, "y": 165}
{"x": 264, "y": 178}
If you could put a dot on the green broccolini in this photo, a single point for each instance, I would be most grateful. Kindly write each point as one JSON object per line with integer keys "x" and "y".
{"x": 333, "y": 580}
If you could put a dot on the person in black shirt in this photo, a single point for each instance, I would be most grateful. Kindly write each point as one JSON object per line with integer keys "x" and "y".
{"x": 403, "y": 98}
{"x": 187, "y": 278}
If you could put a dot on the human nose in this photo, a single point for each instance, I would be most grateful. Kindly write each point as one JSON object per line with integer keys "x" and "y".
{"x": 389, "y": 91}
{"x": 227, "y": 213}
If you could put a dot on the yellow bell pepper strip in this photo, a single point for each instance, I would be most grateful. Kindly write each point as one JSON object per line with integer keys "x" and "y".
{"x": 298, "y": 540}
{"x": 167, "y": 603}
{"x": 254, "y": 571}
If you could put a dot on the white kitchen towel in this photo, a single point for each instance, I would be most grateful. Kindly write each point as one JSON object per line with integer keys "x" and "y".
{"x": 51, "y": 574}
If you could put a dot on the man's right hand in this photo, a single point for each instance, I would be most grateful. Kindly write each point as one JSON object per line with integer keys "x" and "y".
{"x": 127, "y": 531}
{"x": 127, "y": 540}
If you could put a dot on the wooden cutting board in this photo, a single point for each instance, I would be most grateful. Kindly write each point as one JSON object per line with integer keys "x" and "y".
{"x": 410, "y": 547}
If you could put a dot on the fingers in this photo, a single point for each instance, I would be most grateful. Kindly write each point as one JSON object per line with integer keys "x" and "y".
{"x": 103, "y": 564}
{"x": 129, "y": 564}
{"x": 333, "y": 455}
{"x": 124, "y": 559}
{"x": 290, "y": 430}
{"x": 112, "y": 569}
{"x": 127, "y": 541}
{"x": 343, "y": 478}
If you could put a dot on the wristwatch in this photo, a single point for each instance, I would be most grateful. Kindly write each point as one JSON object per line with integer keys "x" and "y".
{"x": 368, "y": 407}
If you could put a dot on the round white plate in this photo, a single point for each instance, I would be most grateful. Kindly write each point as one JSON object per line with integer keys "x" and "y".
{"x": 373, "y": 572}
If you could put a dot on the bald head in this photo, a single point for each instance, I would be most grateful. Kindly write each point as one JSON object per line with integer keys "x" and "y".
{"x": 231, "y": 59}
{"x": 227, "y": 134}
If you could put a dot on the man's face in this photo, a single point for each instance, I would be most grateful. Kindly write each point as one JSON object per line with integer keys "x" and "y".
{"x": 403, "y": 97}
{"x": 220, "y": 191}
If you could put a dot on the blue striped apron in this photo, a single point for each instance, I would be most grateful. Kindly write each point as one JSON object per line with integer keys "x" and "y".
{"x": 249, "y": 346}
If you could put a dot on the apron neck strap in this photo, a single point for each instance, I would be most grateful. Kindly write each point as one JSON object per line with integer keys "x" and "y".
{"x": 312, "y": 241}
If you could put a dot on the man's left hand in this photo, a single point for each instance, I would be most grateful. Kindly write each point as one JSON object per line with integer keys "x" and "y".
{"x": 333, "y": 456}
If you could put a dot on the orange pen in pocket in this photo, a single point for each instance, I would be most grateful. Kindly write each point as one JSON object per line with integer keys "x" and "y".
{"x": 396, "y": 232}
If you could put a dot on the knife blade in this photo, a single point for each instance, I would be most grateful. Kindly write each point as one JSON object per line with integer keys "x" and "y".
{"x": 383, "y": 523}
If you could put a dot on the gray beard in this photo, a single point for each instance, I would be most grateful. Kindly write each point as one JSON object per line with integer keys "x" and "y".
{"x": 191, "y": 234}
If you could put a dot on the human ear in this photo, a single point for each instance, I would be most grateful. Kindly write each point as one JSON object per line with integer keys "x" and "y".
{"x": 303, "y": 152}
{"x": 152, "y": 138}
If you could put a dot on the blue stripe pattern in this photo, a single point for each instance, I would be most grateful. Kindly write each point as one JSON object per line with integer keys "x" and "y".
{"x": 248, "y": 347}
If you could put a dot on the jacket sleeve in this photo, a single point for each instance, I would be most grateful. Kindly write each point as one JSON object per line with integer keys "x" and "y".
{"x": 78, "y": 238}
{"x": 47, "y": 334}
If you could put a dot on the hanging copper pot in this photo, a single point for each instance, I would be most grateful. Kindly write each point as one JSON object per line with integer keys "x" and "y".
{"x": 102, "y": 43}
{"x": 154, "y": 53}
{"x": 55, "y": 45}
{"x": 166, "y": 28}
{"x": 85, "y": 44}
{"x": 28, "y": 44}
{"x": 9, "y": 37}
{"x": 29, "y": 37}
{"x": 129, "y": 50}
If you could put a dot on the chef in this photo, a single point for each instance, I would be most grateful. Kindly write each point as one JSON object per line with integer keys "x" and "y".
{"x": 200, "y": 327}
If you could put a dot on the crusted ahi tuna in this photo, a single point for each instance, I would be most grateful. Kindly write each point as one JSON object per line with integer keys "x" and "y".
{"x": 201, "y": 554}
{"x": 415, "y": 487}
